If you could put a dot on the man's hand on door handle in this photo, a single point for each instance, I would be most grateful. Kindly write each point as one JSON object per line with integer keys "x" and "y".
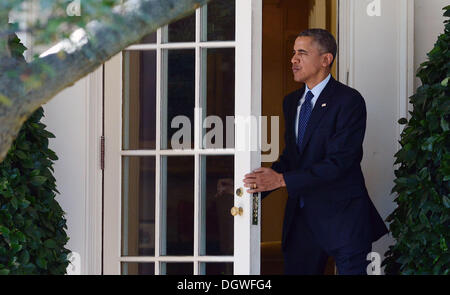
{"x": 266, "y": 179}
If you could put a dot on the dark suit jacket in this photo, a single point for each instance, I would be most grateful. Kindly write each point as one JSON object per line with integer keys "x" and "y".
{"x": 326, "y": 171}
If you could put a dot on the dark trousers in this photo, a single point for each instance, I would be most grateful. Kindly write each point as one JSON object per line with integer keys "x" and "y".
{"x": 304, "y": 256}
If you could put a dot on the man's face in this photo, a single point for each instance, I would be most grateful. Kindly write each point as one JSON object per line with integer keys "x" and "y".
{"x": 307, "y": 61}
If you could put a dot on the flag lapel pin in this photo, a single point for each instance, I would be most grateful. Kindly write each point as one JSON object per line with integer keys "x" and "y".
{"x": 324, "y": 105}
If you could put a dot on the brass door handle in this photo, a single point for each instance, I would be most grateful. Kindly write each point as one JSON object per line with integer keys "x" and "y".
{"x": 235, "y": 211}
{"x": 240, "y": 192}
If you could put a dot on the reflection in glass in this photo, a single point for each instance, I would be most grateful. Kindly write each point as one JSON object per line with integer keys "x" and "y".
{"x": 220, "y": 79}
{"x": 149, "y": 39}
{"x": 180, "y": 91}
{"x": 182, "y": 30}
{"x": 221, "y": 20}
{"x": 217, "y": 199}
{"x": 177, "y": 205}
{"x": 135, "y": 268}
{"x": 138, "y": 206}
{"x": 173, "y": 268}
{"x": 139, "y": 100}
{"x": 216, "y": 268}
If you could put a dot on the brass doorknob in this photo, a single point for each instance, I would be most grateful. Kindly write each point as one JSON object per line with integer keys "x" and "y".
{"x": 235, "y": 211}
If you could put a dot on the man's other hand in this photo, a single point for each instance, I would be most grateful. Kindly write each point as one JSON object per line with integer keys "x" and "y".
{"x": 265, "y": 179}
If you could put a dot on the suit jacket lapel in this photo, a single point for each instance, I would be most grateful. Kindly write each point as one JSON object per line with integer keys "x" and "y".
{"x": 320, "y": 108}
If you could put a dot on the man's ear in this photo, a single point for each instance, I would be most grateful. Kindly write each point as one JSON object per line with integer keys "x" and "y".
{"x": 327, "y": 59}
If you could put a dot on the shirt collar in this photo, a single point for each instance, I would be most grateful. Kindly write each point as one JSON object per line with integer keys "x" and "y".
{"x": 317, "y": 90}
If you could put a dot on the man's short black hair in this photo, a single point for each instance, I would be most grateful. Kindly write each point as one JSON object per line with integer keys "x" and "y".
{"x": 324, "y": 39}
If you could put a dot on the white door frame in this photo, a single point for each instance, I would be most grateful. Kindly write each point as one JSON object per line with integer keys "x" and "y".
{"x": 94, "y": 177}
{"x": 248, "y": 64}
{"x": 247, "y": 103}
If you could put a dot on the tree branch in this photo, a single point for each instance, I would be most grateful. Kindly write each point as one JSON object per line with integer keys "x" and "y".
{"x": 36, "y": 83}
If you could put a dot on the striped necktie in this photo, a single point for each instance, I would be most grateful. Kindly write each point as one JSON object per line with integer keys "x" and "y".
{"x": 305, "y": 113}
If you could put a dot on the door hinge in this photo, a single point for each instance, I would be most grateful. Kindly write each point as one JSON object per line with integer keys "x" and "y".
{"x": 102, "y": 152}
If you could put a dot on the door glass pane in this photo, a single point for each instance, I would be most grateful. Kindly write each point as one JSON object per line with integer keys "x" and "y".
{"x": 148, "y": 39}
{"x": 219, "y": 101}
{"x": 221, "y": 20}
{"x": 216, "y": 268}
{"x": 173, "y": 268}
{"x": 177, "y": 219}
{"x": 138, "y": 206}
{"x": 135, "y": 268}
{"x": 180, "y": 101}
{"x": 139, "y": 100}
{"x": 217, "y": 200}
{"x": 182, "y": 30}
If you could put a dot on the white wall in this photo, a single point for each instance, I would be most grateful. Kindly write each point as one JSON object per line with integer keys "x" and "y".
{"x": 374, "y": 71}
{"x": 66, "y": 117}
{"x": 75, "y": 117}
{"x": 429, "y": 24}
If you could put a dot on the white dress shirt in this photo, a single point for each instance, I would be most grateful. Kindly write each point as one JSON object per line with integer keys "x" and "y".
{"x": 316, "y": 91}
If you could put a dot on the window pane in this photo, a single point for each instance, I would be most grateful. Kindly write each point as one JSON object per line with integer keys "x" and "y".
{"x": 135, "y": 268}
{"x": 217, "y": 200}
{"x": 214, "y": 268}
{"x": 177, "y": 268}
{"x": 177, "y": 206}
{"x": 221, "y": 20}
{"x": 182, "y": 30}
{"x": 180, "y": 101}
{"x": 149, "y": 39}
{"x": 138, "y": 206}
{"x": 219, "y": 81}
{"x": 139, "y": 100}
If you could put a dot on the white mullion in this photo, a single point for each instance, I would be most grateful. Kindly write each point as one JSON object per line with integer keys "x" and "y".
{"x": 202, "y": 113}
{"x": 125, "y": 176}
{"x": 139, "y": 153}
{"x": 183, "y": 45}
{"x": 177, "y": 259}
{"x": 163, "y": 160}
{"x": 197, "y": 209}
{"x": 120, "y": 170}
{"x": 202, "y": 215}
{"x": 218, "y": 44}
{"x": 158, "y": 147}
{"x": 216, "y": 152}
{"x": 157, "y": 209}
{"x": 197, "y": 114}
{"x": 197, "y": 142}
{"x": 198, "y": 25}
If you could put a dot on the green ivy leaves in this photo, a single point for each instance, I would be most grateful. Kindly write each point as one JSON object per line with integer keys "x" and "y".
{"x": 32, "y": 224}
{"x": 421, "y": 222}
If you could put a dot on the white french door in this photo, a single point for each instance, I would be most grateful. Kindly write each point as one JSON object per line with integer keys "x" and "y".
{"x": 171, "y": 178}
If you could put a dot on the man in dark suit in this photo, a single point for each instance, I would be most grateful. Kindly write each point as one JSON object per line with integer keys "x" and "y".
{"x": 328, "y": 211}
